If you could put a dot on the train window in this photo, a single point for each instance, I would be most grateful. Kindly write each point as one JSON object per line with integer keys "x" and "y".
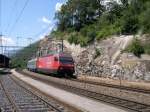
{"x": 67, "y": 60}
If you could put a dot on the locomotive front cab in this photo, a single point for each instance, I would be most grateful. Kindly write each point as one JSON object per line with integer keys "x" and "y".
{"x": 66, "y": 65}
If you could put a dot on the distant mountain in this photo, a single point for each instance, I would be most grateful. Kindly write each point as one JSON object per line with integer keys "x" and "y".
{"x": 19, "y": 58}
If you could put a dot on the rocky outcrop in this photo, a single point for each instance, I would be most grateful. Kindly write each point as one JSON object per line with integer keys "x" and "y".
{"x": 104, "y": 58}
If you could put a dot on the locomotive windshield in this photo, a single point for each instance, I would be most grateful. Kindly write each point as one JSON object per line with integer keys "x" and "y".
{"x": 66, "y": 60}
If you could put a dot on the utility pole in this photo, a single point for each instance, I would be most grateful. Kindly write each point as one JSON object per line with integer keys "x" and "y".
{"x": 4, "y": 49}
{"x": 1, "y": 36}
{"x": 62, "y": 41}
{"x": 1, "y": 43}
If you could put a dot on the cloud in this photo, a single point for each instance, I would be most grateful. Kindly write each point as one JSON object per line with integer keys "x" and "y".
{"x": 41, "y": 36}
{"x": 45, "y": 20}
{"x": 58, "y": 6}
{"x": 7, "y": 41}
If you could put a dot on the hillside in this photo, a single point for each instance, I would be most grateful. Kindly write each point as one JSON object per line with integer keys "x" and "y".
{"x": 20, "y": 58}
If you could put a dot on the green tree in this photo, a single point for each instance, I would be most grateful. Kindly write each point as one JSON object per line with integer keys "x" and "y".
{"x": 77, "y": 13}
{"x": 93, "y": 20}
{"x": 145, "y": 18}
{"x": 125, "y": 3}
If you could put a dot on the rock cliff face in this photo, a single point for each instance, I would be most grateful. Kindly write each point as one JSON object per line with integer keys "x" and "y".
{"x": 104, "y": 58}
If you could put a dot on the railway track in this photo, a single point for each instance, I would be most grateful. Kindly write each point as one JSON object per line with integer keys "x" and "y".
{"x": 18, "y": 97}
{"x": 5, "y": 104}
{"x": 127, "y": 104}
{"x": 121, "y": 87}
{"x": 137, "y": 107}
{"x": 115, "y": 86}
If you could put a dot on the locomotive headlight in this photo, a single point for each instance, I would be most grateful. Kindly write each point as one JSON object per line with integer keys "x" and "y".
{"x": 61, "y": 68}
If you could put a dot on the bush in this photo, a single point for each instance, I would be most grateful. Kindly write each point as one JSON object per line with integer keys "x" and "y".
{"x": 101, "y": 34}
{"x": 73, "y": 38}
{"x": 107, "y": 31}
{"x": 97, "y": 53}
{"x": 136, "y": 48}
{"x": 89, "y": 32}
{"x": 84, "y": 31}
{"x": 147, "y": 48}
{"x": 83, "y": 41}
{"x": 91, "y": 35}
{"x": 77, "y": 38}
{"x": 70, "y": 30}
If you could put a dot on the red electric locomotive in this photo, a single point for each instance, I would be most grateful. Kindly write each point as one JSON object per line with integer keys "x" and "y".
{"x": 59, "y": 64}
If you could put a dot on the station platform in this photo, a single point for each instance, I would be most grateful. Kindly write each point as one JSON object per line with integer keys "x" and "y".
{"x": 83, "y": 103}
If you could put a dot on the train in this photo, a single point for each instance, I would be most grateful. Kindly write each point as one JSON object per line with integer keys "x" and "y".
{"x": 4, "y": 64}
{"x": 4, "y": 61}
{"x": 56, "y": 64}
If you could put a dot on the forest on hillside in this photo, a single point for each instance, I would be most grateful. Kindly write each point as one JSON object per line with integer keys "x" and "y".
{"x": 83, "y": 21}
{"x": 19, "y": 59}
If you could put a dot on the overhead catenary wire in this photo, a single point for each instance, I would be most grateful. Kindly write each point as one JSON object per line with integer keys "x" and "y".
{"x": 43, "y": 31}
{"x": 19, "y": 16}
{"x": 10, "y": 27}
{"x": 11, "y": 12}
{"x": 31, "y": 38}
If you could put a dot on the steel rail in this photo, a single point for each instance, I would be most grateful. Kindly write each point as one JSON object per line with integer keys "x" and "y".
{"x": 15, "y": 108}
